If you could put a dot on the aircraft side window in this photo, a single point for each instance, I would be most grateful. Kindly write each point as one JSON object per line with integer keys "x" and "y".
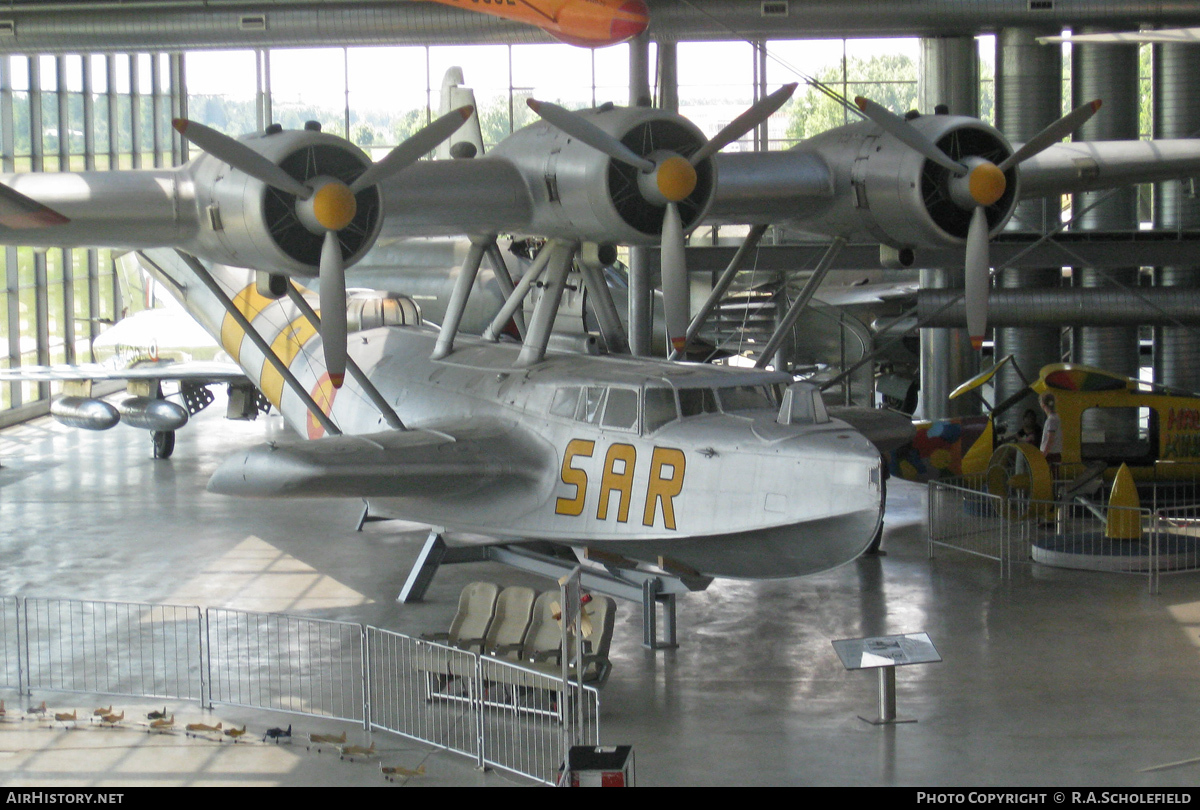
{"x": 658, "y": 408}
{"x": 695, "y": 401}
{"x": 744, "y": 398}
{"x": 589, "y": 406}
{"x": 565, "y": 402}
{"x": 621, "y": 409}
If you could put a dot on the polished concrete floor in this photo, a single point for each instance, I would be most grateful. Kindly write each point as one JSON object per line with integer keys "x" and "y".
{"x": 1051, "y": 678}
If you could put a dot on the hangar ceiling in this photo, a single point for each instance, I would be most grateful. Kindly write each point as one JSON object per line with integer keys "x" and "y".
{"x": 118, "y": 25}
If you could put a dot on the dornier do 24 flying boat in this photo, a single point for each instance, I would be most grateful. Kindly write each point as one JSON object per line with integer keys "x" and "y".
{"x": 640, "y": 457}
{"x": 512, "y": 441}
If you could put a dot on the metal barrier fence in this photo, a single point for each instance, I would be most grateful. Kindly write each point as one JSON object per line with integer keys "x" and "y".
{"x": 964, "y": 518}
{"x": 1177, "y": 541}
{"x": 11, "y": 674}
{"x": 112, "y": 648}
{"x": 1073, "y": 534}
{"x": 498, "y": 713}
{"x": 405, "y": 673}
{"x": 527, "y": 728}
{"x": 286, "y": 663}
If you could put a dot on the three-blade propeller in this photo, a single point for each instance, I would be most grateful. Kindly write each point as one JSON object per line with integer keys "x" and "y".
{"x": 665, "y": 178}
{"x": 325, "y": 205}
{"x": 975, "y": 184}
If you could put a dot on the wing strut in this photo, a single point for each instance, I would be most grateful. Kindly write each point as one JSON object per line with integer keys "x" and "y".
{"x": 513, "y": 303}
{"x": 806, "y": 294}
{"x": 542, "y": 322}
{"x": 458, "y": 298}
{"x": 208, "y": 281}
{"x": 718, "y": 292}
{"x": 385, "y": 410}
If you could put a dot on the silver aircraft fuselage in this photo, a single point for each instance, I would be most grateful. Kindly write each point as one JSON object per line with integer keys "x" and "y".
{"x": 641, "y": 457}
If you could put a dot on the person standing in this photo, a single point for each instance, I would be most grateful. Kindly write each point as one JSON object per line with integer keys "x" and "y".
{"x": 1051, "y": 432}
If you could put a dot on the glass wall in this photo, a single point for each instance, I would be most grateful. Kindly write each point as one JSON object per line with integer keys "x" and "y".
{"x": 71, "y": 113}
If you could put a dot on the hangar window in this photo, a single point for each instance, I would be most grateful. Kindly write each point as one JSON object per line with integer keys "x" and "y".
{"x": 695, "y": 401}
{"x": 658, "y": 408}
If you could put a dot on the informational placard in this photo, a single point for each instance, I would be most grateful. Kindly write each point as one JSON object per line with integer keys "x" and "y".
{"x": 886, "y": 651}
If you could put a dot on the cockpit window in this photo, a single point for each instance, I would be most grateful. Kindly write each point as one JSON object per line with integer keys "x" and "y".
{"x": 589, "y": 406}
{"x": 695, "y": 401}
{"x": 745, "y": 398}
{"x": 658, "y": 409}
{"x": 565, "y": 401}
{"x": 621, "y": 409}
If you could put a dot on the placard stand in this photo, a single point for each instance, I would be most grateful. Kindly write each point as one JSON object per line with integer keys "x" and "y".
{"x": 885, "y": 653}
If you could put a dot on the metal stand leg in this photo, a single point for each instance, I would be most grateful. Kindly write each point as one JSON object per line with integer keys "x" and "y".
{"x": 424, "y": 568}
{"x": 887, "y": 701}
{"x": 650, "y": 599}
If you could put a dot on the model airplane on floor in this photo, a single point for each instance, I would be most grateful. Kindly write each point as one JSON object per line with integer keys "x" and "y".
{"x": 586, "y": 23}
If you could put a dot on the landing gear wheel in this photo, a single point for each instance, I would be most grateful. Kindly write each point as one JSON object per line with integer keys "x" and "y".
{"x": 164, "y": 443}
{"x": 1019, "y": 473}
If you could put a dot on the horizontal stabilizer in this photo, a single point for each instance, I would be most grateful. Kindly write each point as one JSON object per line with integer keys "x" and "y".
{"x": 380, "y": 465}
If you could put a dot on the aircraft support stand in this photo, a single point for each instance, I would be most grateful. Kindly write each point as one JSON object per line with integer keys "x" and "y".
{"x": 651, "y": 589}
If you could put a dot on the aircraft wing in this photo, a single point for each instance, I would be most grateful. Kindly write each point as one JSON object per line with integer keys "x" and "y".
{"x": 185, "y": 371}
{"x": 459, "y": 459}
{"x": 1090, "y": 165}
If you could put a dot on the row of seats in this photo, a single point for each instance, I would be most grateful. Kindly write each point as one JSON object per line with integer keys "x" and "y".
{"x": 516, "y": 624}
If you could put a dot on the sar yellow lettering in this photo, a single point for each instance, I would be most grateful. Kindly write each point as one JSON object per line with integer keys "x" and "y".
{"x": 664, "y": 488}
{"x": 573, "y": 476}
{"x": 622, "y": 456}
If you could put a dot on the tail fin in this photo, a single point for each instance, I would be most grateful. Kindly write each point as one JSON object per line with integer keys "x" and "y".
{"x": 454, "y": 95}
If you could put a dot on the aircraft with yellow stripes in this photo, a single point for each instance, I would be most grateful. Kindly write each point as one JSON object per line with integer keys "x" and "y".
{"x": 648, "y": 459}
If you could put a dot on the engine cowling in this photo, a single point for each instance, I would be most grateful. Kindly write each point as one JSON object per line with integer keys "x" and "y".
{"x": 245, "y": 223}
{"x": 885, "y": 191}
{"x": 582, "y": 194}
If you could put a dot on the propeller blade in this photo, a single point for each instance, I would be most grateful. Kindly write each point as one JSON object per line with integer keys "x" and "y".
{"x": 333, "y": 308}
{"x": 674, "y": 278}
{"x": 579, "y": 127}
{"x": 240, "y": 157}
{"x": 19, "y": 212}
{"x": 1052, "y": 134}
{"x": 978, "y": 277}
{"x": 745, "y": 122}
{"x": 898, "y": 128}
{"x": 421, "y": 143}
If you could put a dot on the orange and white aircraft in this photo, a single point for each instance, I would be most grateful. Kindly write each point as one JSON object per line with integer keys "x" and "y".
{"x": 586, "y": 23}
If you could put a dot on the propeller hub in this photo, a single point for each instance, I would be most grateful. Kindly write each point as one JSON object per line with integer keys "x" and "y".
{"x": 986, "y": 183}
{"x": 675, "y": 178}
{"x": 334, "y": 206}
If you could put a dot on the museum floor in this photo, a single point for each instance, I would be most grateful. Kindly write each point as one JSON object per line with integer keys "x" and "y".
{"x": 1053, "y": 678}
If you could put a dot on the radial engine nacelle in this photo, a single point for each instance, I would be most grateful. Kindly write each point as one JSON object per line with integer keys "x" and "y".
{"x": 864, "y": 184}
{"x": 243, "y": 222}
{"x": 580, "y": 193}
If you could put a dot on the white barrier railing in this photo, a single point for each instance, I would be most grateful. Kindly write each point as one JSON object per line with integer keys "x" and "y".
{"x": 1075, "y": 534}
{"x": 498, "y": 713}
{"x": 285, "y": 663}
{"x": 112, "y": 648}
